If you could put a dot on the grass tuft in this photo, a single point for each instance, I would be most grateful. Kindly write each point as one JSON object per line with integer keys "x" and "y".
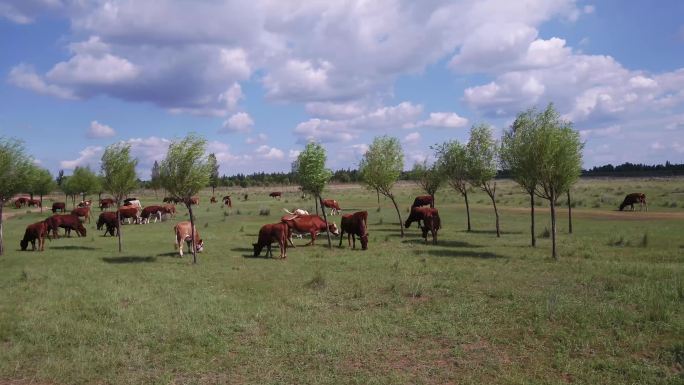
{"x": 317, "y": 282}
{"x": 546, "y": 233}
{"x": 264, "y": 211}
{"x": 644, "y": 240}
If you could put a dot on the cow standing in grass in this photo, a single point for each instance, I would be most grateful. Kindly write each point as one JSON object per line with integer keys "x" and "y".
{"x": 633, "y": 198}
{"x": 183, "y": 231}
{"x": 355, "y": 225}
{"x": 37, "y": 231}
{"x": 276, "y": 232}
{"x": 430, "y": 218}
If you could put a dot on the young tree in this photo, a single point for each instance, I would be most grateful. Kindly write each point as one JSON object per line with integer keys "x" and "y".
{"x": 429, "y": 178}
{"x": 155, "y": 179}
{"x": 84, "y": 182}
{"x": 43, "y": 184}
{"x": 482, "y": 161}
{"x": 14, "y": 168}
{"x": 69, "y": 190}
{"x": 214, "y": 172}
{"x": 558, "y": 150}
{"x": 60, "y": 178}
{"x": 381, "y": 167}
{"x": 452, "y": 158}
{"x": 313, "y": 175}
{"x": 184, "y": 172}
{"x": 519, "y": 156}
{"x": 118, "y": 172}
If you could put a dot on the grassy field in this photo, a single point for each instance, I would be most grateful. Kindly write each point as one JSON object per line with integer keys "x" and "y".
{"x": 472, "y": 309}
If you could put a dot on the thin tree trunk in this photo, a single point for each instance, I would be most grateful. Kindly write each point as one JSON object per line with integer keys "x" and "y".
{"x": 31, "y": 194}
{"x": 534, "y": 238}
{"x": 401, "y": 224}
{"x": 432, "y": 204}
{"x": 325, "y": 218}
{"x": 378, "y": 192}
{"x": 553, "y": 226}
{"x": 465, "y": 195}
{"x": 41, "y": 203}
{"x": 569, "y": 214}
{"x": 192, "y": 232}
{"x": 316, "y": 205}
{"x": 496, "y": 214}
{"x": 118, "y": 223}
{"x": 2, "y": 242}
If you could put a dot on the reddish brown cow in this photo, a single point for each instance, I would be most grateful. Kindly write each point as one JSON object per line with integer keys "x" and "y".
{"x": 332, "y": 205}
{"x": 276, "y": 194}
{"x": 212, "y": 199}
{"x": 183, "y": 232}
{"x": 58, "y": 206}
{"x": 82, "y": 212}
{"x": 68, "y": 222}
{"x": 227, "y": 201}
{"x": 129, "y": 212}
{"x": 108, "y": 220}
{"x": 633, "y": 198}
{"x": 35, "y": 203}
{"x": 276, "y": 232}
{"x": 106, "y": 203}
{"x": 194, "y": 200}
{"x": 36, "y": 231}
{"x": 307, "y": 224}
{"x": 87, "y": 203}
{"x": 422, "y": 200}
{"x": 169, "y": 209}
{"x": 430, "y": 218}
{"x": 21, "y": 202}
{"x": 149, "y": 211}
{"x": 353, "y": 225}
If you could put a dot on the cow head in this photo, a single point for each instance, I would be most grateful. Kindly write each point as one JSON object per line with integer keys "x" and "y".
{"x": 24, "y": 244}
{"x": 80, "y": 229}
{"x": 257, "y": 249}
{"x": 332, "y": 228}
{"x": 364, "y": 241}
{"x": 199, "y": 245}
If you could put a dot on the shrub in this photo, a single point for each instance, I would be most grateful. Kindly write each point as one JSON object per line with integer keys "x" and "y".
{"x": 317, "y": 282}
{"x": 546, "y": 233}
{"x": 618, "y": 242}
{"x": 238, "y": 212}
{"x": 264, "y": 211}
{"x": 644, "y": 240}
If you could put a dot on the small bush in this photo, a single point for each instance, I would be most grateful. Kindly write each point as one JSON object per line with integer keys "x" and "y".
{"x": 238, "y": 212}
{"x": 673, "y": 204}
{"x": 317, "y": 282}
{"x": 644, "y": 240}
{"x": 226, "y": 213}
{"x": 377, "y": 210}
{"x": 546, "y": 233}
{"x": 242, "y": 229}
{"x": 264, "y": 211}
{"x": 596, "y": 205}
{"x": 380, "y": 221}
{"x": 206, "y": 225}
{"x": 618, "y": 242}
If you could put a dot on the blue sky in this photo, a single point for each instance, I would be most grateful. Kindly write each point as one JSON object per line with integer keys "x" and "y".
{"x": 260, "y": 79}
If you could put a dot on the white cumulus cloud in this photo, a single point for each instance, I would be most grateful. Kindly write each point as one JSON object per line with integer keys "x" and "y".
{"x": 98, "y": 130}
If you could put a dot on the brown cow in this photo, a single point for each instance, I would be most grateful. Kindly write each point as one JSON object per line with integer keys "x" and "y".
{"x": 82, "y": 212}
{"x": 87, "y": 203}
{"x": 68, "y": 222}
{"x": 35, "y": 202}
{"x": 21, "y": 202}
{"x": 353, "y": 225}
{"x": 422, "y": 200}
{"x": 332, "y": 205}
{"x": 36, "y": 231}
{"x": 171, "y": 200}
{"x": 194, "y": 200}
{"x": 108, "y": 220}
{"x": 183, "y": 234}
{"x": 149, "y": 211}
{"x": 307, "y": 224}
{"x": 58, "y": 206}
{"x": 633, "y": 198}
{"x": 169, "y": 209}
{"x": 276, "y": 194}
{"x": 106, "y": 203}
{"x": 276, "y": 232}
{"x": 212, "y": 199}
{"x": 128, "y": 213}
{"x": 227, "y": 201}
{"x": 430, "y": 218}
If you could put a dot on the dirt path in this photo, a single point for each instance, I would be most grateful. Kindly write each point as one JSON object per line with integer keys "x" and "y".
{"x": 607, "y": 214}
{"x": 8, "y": 214}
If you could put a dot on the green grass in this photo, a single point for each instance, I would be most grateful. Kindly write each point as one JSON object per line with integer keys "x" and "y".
{"x": 472, "y": 309}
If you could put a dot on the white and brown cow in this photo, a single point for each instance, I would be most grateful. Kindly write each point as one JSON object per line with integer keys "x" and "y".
{"x": 183, "y": 232}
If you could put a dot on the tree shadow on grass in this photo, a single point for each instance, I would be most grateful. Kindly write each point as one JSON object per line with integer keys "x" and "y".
{"x": 242, "y": 249}
{"x": 169, "y": 254}
{"x": 490, "y": 232}
{"x": 463, "y": 254}
{"x": 128, "y": 259}
{"x": 71, "y": 247}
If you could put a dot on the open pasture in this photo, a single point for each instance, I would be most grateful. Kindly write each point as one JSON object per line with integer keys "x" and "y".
{"x": 472, "y": 309}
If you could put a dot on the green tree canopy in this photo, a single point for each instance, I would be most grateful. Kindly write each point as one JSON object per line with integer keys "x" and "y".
{"x": 312, "y": 174}
{"x": 155, "y": 177}
{"x": 213, "y": 172}
{"x": 43, "y": 184}
{"x": 428, "y": 177}
{"x": 452, "y": 157}
{"x": 83, "y": 181}
{"x": 118, "y": 174}
{"x": 483, "y": 157}
{"x": 15, "y": 167}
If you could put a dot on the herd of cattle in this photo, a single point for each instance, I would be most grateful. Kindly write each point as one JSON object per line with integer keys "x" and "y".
{"x": 297, "y": 222}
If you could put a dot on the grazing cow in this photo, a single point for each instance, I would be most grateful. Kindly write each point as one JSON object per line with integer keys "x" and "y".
{"x": 36, "y": 231}
{"x": 151, "y": 211}
{"x": 422, "y": 200}
{"x": 194, "y": 200}
{"x": 82, "y": 212}
{"x": 183, "y": 234}
{"x": 106, "y": 203}
{"x": 58, "y": 206}
{"x": 353, "y": 225}
{"x": 169, "y": 209}
{"x": 68, "y": 222}
{"x": 108, "y": 220}
{"x": 171, "y": 200}
{"x": 430, "y": 218}
{"x": 227, "y": 201}
{"x": 212, "y": 199}
{"x": 35, "y": 203}
{"x": 128, "y": 213}
{"x": 307, "y": 224}
{"x": 297, "y": 212}
{"x": 276, "y": 232}
{"x": 87, "y": 203}
{"x": 21, "y": 202}
{"x": 276, "y": 194}
{"x": 133, "y": 202}
{"x": 332, "y": 205}
{"x": 633, "y": 198}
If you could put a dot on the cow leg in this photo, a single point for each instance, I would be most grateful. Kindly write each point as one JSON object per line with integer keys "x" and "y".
{"x": 269, "y": 253}
{"x": 341, "y": 234}
{"x": 33, "y": 245}
{"x": 353, "y": 237}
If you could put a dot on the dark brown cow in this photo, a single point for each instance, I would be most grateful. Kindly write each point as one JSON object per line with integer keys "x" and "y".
{"x": 58, "y": 206}
{"x": 430, "y": 218}
{"x": 34, "y": 203}
{"x": 194, "y": 200}
{"x": 108, "y": 220}
{"x": 129, "y": 212}
{"x": 422, "y": 200}
{"x": 227, "y": 201}
{"x": 149, "y": 211}
{"x": 212, "y": 199}
{"x": 21, "y": 202}
{"x": 276, "y": 194}
{"x": 82, "y": 212}
{"x": 633, "y": 198}
{"x": 171, "y": 200}
{"x": 276, "y": 232}
{"x": 36, "y": 231}
{"x": 332, "y": 205}
{"x": 68, "y": 222}
{"x": 307, "y": 224}
{"x": 355, "y": 225}
{"x": 106, "y": 203}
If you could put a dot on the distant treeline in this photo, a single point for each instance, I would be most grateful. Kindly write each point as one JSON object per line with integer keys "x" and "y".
{"x": 636, "y": 169}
